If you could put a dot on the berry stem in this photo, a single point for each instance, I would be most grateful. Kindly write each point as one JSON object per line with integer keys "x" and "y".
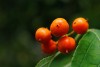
{"x": 77, "y": 36}
{"x": 72, "y": 32}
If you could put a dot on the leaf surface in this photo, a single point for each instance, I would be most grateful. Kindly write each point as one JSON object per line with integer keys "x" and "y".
{"x": 46, "y": 62}
{"x": 87, "y": 53}
{"x": 56, "y": 60}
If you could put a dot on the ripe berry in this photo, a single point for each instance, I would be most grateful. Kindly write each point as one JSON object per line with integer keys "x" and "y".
{"x": 59, "y": 27}
{"x": 43, "y": 35}
{"x": 49, "y": 47}
{"x": 80, "y": 25}
{"x": 66, "y": 44}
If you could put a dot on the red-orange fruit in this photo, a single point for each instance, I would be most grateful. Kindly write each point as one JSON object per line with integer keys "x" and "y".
{"x": 43, "y": 35}
{"x": 80, "y": 25}
{"x": 49, "y": 47}
{"x": 66, "y": 44}
{"x": 59, "y": 27}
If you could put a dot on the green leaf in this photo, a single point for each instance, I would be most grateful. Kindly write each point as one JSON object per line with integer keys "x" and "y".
{"x": 45, "y": 62}
{"x": 56, "y": 60}
{"x": 87, "y": 53}
{"x": 62, "y": 60}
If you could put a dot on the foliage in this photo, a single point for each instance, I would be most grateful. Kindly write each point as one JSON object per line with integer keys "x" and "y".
{"x": 86, "y": 54}
{"x": 20, "y": 18}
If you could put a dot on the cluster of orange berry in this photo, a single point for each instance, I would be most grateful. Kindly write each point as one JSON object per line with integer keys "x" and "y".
{"x": 59, "y": 28}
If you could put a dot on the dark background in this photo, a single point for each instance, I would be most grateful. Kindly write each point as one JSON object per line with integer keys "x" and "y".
{"x": 19, "y": 20}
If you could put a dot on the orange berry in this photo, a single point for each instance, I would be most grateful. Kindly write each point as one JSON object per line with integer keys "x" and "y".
{"x": 43, "y": 35}
{"x": 66, "y": 44}
{"x": 59, "y": 27}
{"x": 49, "y": 47}
{"x": 80, "y": 25}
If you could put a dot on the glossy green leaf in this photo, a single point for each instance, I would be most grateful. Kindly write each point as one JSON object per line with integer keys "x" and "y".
{"x": 87, "y": 53}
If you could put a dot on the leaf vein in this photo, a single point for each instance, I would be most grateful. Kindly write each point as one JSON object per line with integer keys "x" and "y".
{"x": 86, "y": 51}
{"x": 95, "y": 34}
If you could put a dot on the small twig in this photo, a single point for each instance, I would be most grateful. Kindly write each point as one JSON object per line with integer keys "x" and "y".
{"x": 55, "y": 55}
{"x": 77, "y": 36}
{"x": 72, "y": 32}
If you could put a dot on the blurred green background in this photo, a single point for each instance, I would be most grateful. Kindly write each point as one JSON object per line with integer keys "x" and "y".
{"x": 19, "y": 20}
